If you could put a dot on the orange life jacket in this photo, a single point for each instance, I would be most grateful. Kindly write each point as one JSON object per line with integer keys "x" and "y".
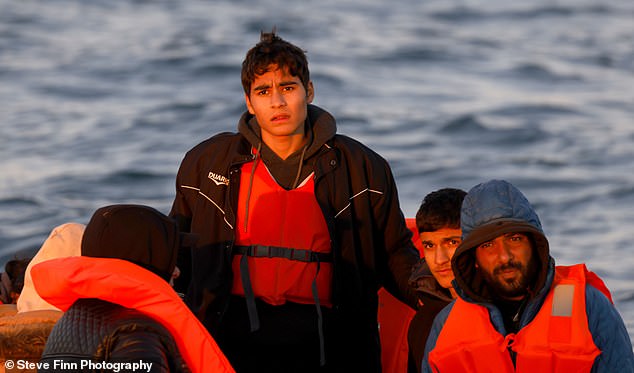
{"x": 394, "y": 318}
{"x": 556, "y": 340}
{"x": 285, "y": 238}
{"x": 63, "y": 281}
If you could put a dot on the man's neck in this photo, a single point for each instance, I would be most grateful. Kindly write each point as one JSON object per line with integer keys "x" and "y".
{"x": 453, "y": 293}
{"x": 284, "y": 146}
{"x": 512, "y": 310}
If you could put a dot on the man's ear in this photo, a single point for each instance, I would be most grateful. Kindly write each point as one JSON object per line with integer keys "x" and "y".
{"x": 310, "y": 92}
{"x": 248, "y": 102}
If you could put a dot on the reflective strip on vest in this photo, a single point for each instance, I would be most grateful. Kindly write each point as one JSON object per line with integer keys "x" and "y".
{"x": 562, "y": 300}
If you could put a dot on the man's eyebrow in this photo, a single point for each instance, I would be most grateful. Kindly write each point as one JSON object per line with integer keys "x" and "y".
{"x": 268, "y": 86}
{"x": 288, "y": 82}
{"x": 452, "y": 238}
{"x": 262, "y": 86}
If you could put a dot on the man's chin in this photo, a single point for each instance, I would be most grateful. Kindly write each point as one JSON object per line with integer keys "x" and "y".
{"x": 444, "y": 281}
{"x": 511, "y": 292}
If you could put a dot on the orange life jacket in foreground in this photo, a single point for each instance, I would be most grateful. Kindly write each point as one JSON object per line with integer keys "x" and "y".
{"x": 556, "y": 340}
{"x": 63, "y": 281}
{"x": 285, "y": 238}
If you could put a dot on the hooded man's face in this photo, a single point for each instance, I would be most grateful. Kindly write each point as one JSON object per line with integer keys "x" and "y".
{"x": 507, "y": 264}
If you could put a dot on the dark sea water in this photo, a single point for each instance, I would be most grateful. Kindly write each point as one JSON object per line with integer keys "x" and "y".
{"x": 100, "y": 100}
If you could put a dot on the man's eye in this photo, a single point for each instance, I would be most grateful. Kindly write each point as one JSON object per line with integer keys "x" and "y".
{"x": 485, "y": 245}
{"x": 517, "y": 237}
{"x": 262, "y": 92}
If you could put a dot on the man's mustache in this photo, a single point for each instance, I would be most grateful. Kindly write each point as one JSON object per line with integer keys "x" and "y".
{"x": 507, "y": 266}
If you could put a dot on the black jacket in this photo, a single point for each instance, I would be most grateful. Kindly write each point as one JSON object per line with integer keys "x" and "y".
{"x": 99, "y": 331}
{"x": 356, "y": 191}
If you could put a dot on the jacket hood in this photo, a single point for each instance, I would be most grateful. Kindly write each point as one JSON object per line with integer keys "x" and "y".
{"x": 63, "y": 241}
{"x": 489, "y": 210}
{"x": 320, "y": 127}
{"x": 139, "y": 234}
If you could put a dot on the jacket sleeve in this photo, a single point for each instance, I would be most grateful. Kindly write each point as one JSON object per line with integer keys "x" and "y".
{"x": 401, "y": 254}
{"x": 182, "y": 212}
{"x": 609, "y": 334}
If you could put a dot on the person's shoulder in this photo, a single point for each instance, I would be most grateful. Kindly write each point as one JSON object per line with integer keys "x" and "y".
{"x": 600, "y": 311}
{"x": 596, "y": 301}
{"x": 113, "y": 316}
{"x": 609, "y": 333}
{"x": 352, "y": 143}
{"x": 221, "y": 143}
{"x": 355, "y": 148}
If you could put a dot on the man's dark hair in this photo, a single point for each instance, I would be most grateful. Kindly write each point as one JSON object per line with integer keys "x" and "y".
{"x": 440, "y": 209}
{"x": 273, "y": 50}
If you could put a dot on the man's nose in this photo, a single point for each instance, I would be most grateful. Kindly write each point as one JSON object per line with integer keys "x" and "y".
{"x": 504, "y": 252}
{"x": 442, "y": 256}
{"x": 277, "y": 99}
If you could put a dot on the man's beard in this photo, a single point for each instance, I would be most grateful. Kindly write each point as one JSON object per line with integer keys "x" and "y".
{"x": 515, "y": 287}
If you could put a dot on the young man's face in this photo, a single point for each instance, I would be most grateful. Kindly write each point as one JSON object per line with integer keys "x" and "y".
{"x": 439, "y": 247}
{"x": 507, "y": 265}
{"x": 279, "y": 102}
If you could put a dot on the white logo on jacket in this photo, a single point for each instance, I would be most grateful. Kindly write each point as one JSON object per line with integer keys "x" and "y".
{"x": 218, "y": 179}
